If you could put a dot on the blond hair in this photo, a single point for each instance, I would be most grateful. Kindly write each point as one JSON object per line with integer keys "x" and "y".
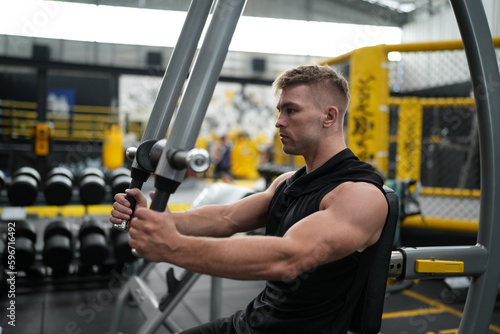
{"x": 323, "y": 79}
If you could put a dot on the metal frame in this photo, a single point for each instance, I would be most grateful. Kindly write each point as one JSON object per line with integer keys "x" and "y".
{"x": 485, "y": 76}
{"x": 184, "y": 132}
{"x": 481, "y": 261}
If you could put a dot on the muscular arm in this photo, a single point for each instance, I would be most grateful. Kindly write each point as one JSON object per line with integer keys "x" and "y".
{"x": 350, "y": 219}
{"x": 245, "y": 215}
{"x": 211, "y": 220}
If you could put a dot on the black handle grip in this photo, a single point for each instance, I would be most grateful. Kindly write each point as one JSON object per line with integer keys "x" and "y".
{"x": 124, "y": 224}
{"x": 132, "y": 202}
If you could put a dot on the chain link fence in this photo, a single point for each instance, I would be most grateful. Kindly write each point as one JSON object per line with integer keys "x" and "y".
{"x": 433, "y": 133}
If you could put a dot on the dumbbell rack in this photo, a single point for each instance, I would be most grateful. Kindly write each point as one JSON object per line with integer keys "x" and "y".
{"x": 60, "y": 187}
{"x": 39, "y": 272}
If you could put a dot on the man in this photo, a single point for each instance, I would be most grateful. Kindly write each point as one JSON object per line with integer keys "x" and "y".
{"x": 222, "y": 161}
{"x": 321, "y": 221}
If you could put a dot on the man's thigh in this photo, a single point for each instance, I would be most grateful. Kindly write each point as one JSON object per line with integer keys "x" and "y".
{"x": 220, "y": 326}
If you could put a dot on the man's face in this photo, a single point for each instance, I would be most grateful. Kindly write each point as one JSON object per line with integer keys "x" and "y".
{"x": 299, "y": 121}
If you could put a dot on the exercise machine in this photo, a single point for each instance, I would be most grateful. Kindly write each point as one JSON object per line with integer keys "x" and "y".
{"x": 481, "y": 262}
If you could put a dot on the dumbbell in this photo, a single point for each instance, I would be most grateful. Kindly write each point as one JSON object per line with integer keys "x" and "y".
{"x": 58, "y": 245}
{"x": 58, "y": 186}
{"x": 23, "y": 190}
{"x": 93, "y": 242}
{"x": 119, "y": 180}
{"x": 92, "y": 186}
{"x": 23, "y": 236}
{"x": 121, "y": 248}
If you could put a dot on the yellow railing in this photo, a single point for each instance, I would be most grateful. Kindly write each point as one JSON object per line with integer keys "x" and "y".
{"x": 83, "y": 123}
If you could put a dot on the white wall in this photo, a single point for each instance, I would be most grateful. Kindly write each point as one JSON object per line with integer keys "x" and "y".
{"x": 439, "y": 23}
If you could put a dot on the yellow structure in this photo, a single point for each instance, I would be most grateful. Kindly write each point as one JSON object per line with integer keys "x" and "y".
{"x": 368, "y": 117}
{"x": 112, "y": 147}
{"x": 409, "y": 139}
{"x": 369, "y": 124}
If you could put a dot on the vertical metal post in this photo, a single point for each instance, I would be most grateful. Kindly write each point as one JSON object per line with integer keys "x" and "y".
{"x": 41, "y": 94}
{"x": 177, "y": 70}
{"x": 196, "y": 98}
{"x": 174, "y": 77}
{"x": 170, "y": 89}
{"x": 215, "y": 298}
{"x": 485, "y": 76}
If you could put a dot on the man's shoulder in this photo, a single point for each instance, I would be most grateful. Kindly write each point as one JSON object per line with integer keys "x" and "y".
{"x": 357, "y": 192}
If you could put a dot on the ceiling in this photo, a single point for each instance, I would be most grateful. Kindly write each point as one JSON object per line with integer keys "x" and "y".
{"x": 375, "y": 12}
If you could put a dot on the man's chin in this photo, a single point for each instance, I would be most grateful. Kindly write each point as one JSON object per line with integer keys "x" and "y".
{"x": 289, "y": 151}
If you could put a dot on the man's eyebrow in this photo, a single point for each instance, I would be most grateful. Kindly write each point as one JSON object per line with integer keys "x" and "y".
{"x": 287, "y": 104}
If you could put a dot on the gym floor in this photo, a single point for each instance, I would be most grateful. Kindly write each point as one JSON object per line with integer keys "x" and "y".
{"x": 85, "y": 304}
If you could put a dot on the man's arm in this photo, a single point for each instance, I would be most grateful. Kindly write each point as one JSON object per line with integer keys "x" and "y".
{"x": 244, "y": 215}
{"x": 350, "y": 219}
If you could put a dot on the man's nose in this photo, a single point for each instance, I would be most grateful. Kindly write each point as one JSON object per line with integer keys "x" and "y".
{"x": 280, "y": 122}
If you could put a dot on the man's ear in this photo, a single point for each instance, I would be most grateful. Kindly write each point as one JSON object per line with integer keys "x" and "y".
{"x": 331, "y": 116}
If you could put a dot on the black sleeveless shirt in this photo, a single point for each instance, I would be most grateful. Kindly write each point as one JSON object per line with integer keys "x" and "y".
{"x": 319, "y": 301}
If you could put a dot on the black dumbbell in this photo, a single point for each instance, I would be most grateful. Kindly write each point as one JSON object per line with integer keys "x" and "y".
{"x": 121, "y": 248}
{"x": 58, "y": 245}
{"x": 119, "y": 180}
{"x": 94, "y": 248}
{"x": 92, "y": 186}
{"x": 23, "y": 190}
{"x": 58, "y": 186}
{"x": 20, "y": 244}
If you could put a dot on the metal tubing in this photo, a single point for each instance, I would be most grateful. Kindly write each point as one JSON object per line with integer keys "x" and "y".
{"x": 171, "y": 87}
{"x": 123, "y": 296}
{"x": 201, "y": 85}
{"x": 216, "y": 298}
{"x": 476, "y": 36}
{"x": 120, "y": 302}
{"x": 473, "y": 257}
{"x": 176, "y": 72}
{"x": 186, "y": 282}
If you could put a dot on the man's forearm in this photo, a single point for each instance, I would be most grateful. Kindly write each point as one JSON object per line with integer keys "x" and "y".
{"x": 244, "y": 215}
{"x": 243, "y": 258}
{"x": 208, "y": 221}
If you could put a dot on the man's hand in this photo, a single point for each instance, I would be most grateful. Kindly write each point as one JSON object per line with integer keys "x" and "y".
{"x": 121, "y": 207}
{"x": 153, "y": 234}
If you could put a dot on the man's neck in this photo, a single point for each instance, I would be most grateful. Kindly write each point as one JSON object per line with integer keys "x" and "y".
{"x": 313, "y": 163}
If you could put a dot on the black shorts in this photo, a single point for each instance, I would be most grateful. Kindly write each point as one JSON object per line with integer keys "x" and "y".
{"x": 220, "y": 326}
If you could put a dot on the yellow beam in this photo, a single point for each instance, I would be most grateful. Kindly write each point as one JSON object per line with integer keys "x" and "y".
{"x": 78, "y": 210}
{"x": 21, "y": 104}
{"x": 92, "y": 109}
{"x": 450, "y": 192}
{"x": 441, "y": 223}
{"x": 437, "y": 101}
{"x": 409, "y": 47}
{"x": 19, "y": 113}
